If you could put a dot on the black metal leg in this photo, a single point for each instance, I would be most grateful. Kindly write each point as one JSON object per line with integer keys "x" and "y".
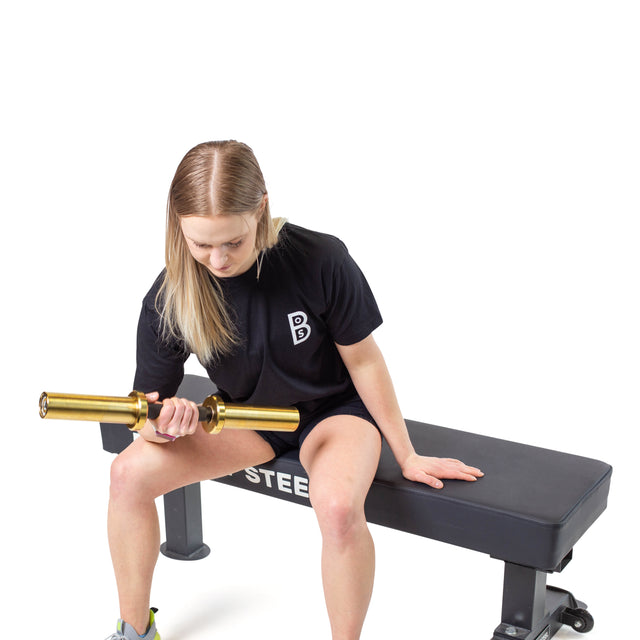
{"x": 523, "y": 598}
{"x": 182, "y": 508}
{"x": 530, "y": 609}
{"x": 183, "y": 523}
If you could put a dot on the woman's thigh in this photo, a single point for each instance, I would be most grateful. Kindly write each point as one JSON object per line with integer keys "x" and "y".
{"x": 155, "y": 469}
{"x": 341, "y": 456}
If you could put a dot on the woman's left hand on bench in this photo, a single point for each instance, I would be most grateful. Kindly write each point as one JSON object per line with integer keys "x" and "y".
{"x": 432, "y": 471}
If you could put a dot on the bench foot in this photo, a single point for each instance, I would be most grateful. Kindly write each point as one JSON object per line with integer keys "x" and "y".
{"x": 183, "y": 525}
{"x": 531, "y": 610}
{"x": 197, "y": 554}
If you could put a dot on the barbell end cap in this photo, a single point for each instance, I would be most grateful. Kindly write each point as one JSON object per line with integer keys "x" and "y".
{"x": 44, "y": 404}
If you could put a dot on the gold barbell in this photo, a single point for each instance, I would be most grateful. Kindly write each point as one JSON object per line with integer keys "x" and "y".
{"x": 134, "y": 410}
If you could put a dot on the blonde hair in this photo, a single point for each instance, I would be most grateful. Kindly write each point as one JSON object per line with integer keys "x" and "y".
{"x": 213, "y": 178}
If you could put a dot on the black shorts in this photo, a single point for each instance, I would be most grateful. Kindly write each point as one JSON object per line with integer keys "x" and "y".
{"x": 282, "y": 441}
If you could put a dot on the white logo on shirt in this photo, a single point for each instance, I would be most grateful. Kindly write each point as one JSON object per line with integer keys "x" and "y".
{"x": 300, "y": 329}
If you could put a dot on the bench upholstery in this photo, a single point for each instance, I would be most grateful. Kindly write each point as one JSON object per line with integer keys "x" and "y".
{"x": 529, "y": 510}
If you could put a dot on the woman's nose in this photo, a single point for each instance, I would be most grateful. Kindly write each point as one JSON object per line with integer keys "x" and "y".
{"x": 218, "y": 258}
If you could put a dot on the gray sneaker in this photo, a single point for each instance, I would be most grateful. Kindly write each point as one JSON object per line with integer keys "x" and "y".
{"x": 127, "y": 632}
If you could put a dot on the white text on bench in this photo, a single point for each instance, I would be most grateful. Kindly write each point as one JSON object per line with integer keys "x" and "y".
{"x": 284, "y": 482}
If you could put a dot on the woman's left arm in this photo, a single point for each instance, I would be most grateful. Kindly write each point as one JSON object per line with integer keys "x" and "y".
{"x": 370, "y": 375}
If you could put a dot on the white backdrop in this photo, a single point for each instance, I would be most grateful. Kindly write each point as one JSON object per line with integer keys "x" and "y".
{"x": 480, "y": 159}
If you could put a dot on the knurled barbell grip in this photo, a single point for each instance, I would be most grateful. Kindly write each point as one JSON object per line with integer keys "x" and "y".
{"x": 153, "y": 412}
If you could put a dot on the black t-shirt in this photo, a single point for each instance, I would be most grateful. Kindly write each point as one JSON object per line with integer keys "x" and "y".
{"x": 310, "y": 295}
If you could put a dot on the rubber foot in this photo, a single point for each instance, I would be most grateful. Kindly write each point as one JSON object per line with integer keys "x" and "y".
{"x": 198, "y": 554}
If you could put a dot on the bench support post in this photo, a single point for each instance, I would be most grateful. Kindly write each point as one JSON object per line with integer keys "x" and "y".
{"x": 530, "y": 609}
{"x": 523, "y": 596}
{"x": 183, "y": 524}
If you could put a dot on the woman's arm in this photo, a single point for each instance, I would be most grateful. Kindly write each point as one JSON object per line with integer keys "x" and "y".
{"x": 370, "y": 375}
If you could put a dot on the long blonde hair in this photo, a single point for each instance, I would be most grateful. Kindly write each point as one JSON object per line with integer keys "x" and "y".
{"x": 213, "y": 178}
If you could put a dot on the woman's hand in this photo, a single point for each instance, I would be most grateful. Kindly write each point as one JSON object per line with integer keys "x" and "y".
{"x": 432, "y": 471}
{"x": 178, "y": 417}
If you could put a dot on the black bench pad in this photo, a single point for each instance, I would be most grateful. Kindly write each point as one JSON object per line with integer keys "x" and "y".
{"x": 530, "y": 508}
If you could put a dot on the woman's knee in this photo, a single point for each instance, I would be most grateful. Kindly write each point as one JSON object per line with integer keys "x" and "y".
{"x": 130, "y": 476}
{"x": 340, "y": 516}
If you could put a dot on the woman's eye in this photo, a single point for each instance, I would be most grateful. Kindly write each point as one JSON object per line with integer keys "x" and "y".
{"x": 231, "y": 245}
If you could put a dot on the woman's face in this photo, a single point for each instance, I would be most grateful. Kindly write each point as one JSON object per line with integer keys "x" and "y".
{"x": 225, "y": 244}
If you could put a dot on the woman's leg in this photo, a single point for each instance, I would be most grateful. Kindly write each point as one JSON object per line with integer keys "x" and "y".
{"x": 140, "y": 474}
{"x": 341, "y": 457}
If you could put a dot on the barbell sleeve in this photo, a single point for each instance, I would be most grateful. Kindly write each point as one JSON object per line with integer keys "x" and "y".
{"x": 134, "y": 410}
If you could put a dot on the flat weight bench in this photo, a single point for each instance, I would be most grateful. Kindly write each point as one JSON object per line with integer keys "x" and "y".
{"x": 529, "y": 510}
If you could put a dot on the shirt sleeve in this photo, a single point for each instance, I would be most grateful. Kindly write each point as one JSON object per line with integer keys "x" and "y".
{"x": 352, "y": 311}
{"x": 159, "y": 361}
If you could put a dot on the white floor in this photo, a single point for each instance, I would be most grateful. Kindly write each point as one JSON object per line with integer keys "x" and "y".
{"x": 262, "y": 578}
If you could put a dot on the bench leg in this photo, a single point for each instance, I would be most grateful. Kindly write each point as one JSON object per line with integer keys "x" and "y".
{"x": 533, "y": 611}
{"x": 183, "y": 524}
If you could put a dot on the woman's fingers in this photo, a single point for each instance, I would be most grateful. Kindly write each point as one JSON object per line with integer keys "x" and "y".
{"x": 432, "y": 471}
{"x": 178, "y": 416}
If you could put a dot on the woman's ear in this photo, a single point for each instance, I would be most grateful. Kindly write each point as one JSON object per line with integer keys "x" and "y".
{"x": 262, "y": 207}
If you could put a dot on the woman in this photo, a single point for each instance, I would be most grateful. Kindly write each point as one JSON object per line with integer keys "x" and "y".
{"x": 278, "y": 315}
